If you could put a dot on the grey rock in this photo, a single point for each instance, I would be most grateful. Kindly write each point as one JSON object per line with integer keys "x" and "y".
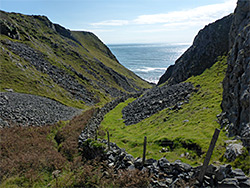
{"x": 233, "y": 151}
{"x": 129, "y": 157}
{"x": 245, "y": 184}
{"x": 182, "y": 167}
{"x": 223, "y": 172}
{"x": 9, "y": 90}
{"x": 229, "y": 183}
{"x": 238, "y": 172}
{"x": 149, "y": 162}
{"x": 163, "y": 163}
{"x": 111, "y": 158}
{"x": 241, "y": 178}
{"x": 138, "y": 162}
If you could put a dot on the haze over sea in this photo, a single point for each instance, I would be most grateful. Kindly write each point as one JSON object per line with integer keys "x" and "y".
{"x": 149, "y": 61}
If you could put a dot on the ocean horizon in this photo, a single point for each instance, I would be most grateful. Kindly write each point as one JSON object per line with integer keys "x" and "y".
{"x": 150, "y": 60}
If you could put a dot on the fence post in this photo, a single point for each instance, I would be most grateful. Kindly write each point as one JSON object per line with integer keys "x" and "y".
{"x": 96, "y": 134}
{"x": 108, "y": 140}
{"x": 144, "y": 150}
{"x": 208, "y": 155}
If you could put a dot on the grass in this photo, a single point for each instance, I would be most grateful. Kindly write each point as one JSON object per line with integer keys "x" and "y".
{"x": 64, "y": 53}
{"x": 193, "y": 125}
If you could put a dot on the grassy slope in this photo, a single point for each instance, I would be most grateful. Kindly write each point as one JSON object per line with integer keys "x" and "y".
{"x": 35, "y": 32}
{"x": 96, "y": 47}
{"x": 200, "y": 112}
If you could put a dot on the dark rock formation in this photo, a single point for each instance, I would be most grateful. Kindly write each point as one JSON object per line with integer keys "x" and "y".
{"x": 236, "y": 85}
{"x": 31, "y": 110}
{"x": 211, "y": 42}
{"x": 8, "y": 29}
{"x": 64, "y": 32}
{"x": 156, "y": 100}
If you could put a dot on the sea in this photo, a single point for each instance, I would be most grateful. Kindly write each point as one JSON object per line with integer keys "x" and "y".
{"x": 149, "y": 61}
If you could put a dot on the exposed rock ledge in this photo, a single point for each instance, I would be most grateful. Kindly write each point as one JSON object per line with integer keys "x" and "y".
{"x": 31, "y": 110}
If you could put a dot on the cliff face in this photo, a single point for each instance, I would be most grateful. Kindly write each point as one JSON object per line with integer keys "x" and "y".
{"x": 236, "y": 85}
{"x": 211, "y": 42}
{"x": 73, "y": 67}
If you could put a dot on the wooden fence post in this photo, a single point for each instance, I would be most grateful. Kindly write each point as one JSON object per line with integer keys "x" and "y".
{"x": 208, "y": 155}
{"x": 108, "y": 140}
{"x": 144, "y": 150}
{"x": 96, "y": 134}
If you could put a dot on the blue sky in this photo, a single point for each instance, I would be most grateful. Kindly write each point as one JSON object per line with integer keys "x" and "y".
{"x": 129, "y": 21}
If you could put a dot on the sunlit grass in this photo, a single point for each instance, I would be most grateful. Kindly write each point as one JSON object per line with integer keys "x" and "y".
{"x": 194, "y": 123}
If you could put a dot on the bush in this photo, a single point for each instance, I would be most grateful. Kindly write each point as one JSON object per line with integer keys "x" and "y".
{"x": 27, "y": 151}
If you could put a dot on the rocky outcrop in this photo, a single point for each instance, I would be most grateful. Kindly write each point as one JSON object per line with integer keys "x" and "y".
{"x": 211, "y": 42}
{"x": 8, "y": 29}
{"x": 31, "y": 110}
{"x": 156, "y": 100}
{"x": 236, "y": 85}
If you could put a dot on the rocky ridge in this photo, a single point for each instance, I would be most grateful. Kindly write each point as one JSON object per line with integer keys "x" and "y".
{"x": 156, "y": 100}
{"x": 31, "y": 110}
{"x": 236, "y": 85}
{"x": 209, "y": 43}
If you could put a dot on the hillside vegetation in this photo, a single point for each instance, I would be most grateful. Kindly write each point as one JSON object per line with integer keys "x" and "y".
{"x": 185, "y": 131}
{"x": 48, "y": 156}
{"x": 74, "y": 68}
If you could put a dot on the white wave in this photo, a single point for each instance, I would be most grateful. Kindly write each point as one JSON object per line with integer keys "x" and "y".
{"x": 149, "y": 69}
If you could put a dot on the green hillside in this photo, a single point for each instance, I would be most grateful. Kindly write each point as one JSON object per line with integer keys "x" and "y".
{"x": 75, "y": 68}
{"x": 187, "y": 131}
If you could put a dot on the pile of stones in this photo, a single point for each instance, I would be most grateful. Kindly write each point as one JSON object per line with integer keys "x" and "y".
{"x": 175, "y": 174}
{"x": 32, "y": 110}
{"x": 157, "y": 99}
